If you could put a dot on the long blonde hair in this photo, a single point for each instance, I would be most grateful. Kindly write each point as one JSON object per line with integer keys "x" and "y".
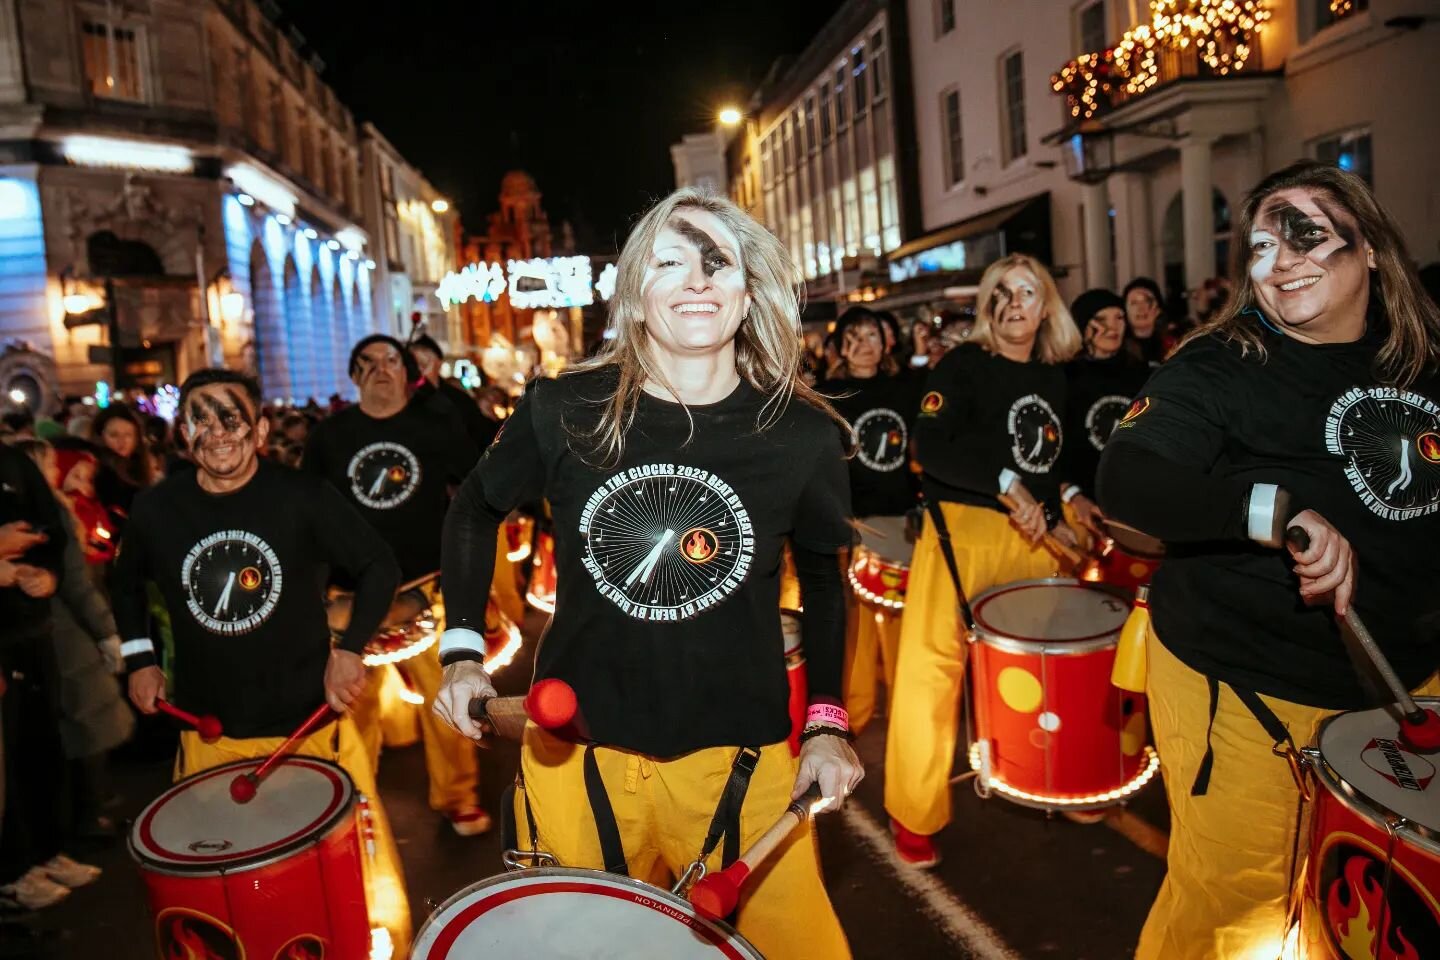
{"x": 1413, "y": 342}
{"x": 769, "y": 345}
{"x": 1057, "y": 340}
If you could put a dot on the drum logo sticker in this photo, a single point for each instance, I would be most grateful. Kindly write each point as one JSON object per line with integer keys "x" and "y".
{"x": 232, "y": 581}
{"x": 1034, "y": 434}
{"x": 1394, "y": 763}
{"x": 880, "y": 438}
{"x": 1389, "y": 440}
{"x": 209, "y": 846}
{"x": 1103, "y": 417}
{"x": 383, "y": 475}
{"x": 665, "y": 542}
{"x": 1354, "y": 897}
{"x": 932, "y": 403}
{"x": 189, "y": 935}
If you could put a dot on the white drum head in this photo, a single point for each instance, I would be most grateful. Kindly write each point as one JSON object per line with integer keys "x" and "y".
{"x": 1057, "y": 615}
{"x": 556, "y": 913}
{"x": 194, "y": 827}
{"x": 885, "y": 536}
{"x": 1379, "y": 770}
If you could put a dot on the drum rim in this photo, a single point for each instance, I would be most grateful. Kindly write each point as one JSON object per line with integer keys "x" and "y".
{"x": 1004, "y": 642}
{"x": 215, "y": 868}
{"x": 658, "y": 893}
{"x": 860, "y": 553}
{"x": 1364, "y": 805}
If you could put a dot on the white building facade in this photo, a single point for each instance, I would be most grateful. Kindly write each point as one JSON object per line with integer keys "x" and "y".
{"x": 1139, "y": 155}
{"x": 699, "y": 160}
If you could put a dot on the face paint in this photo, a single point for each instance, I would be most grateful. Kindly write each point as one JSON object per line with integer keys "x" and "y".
{"x": 712, "y": 259}
{"x": 1305, "y": 266}
{"x": 1316, "y": 234}
{"x": 213, "y": 422}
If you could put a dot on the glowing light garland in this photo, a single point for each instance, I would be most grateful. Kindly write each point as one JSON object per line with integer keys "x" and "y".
{"x": 1147, "y": 773}
{"x": 428, "y": 637}
{"x": 1221, "y": 32}
{"x": 870, "y": 596}
{"x": 507, "y": 652}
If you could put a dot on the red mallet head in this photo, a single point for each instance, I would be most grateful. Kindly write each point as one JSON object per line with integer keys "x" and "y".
{"x": 1422, "y": 733}
{"x": 209, "y": 728}
{"x": 717, "y": 894}
{"x": 242, "y": 788}
{"x": 552, "y": 704}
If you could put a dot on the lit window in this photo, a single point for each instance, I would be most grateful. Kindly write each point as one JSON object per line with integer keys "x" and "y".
{"x": 112, "y": 61}
{"x": 1090, "y": 27}
{"x": 1013, "y": 89}
{"x": 1348, "y": 151}
{"x": 1327, "y": 13}
{"x": 954, "y": 139}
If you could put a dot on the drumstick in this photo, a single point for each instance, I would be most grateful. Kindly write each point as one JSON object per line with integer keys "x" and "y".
{"x": 206, "y": 725}
{"x": 243, "y": 787}
{"x": 551, "y": 704}
{"x": 1065, "y": 553}
{"x": 417, "y": 583}
{"x": 1421, "y": 728}
{"x": 715, "y": 895}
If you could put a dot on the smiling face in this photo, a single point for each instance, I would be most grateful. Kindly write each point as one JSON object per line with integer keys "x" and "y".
{"x": 1019, "y": 308}
{"x": 863, "y": 346}
{"x": 694, "y": 285}
{"x": 380, "y": 374}
{"x": 121, "y": 436}
{"x": 222, "y": 430}
{"x": 1309, "y": 264}
{"x": 1105, "y": 333}
{"x": 1142, "y": 311}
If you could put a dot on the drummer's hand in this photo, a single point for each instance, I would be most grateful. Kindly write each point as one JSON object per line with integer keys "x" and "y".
{"x": 1066, "y": 536}
{"x": 345, "y": 679}
{"x": 1028, "y": 515}
{"x": 831, "y": 762}
{"x": 465, "y": 680}
{"x": 146, "y": 686}
{"x": 1327, "y": 569}
{"x": 1089, "y": 514}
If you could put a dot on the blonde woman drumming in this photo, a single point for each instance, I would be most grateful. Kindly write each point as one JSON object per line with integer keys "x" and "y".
{"x": 989, "y": 424}
{"x": 676, "y": 464}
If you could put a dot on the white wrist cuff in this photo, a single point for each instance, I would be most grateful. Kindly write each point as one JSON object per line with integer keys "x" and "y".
{"x": 461, "y": 638}
{"x": 131, "y": 648}
{"x": 1007, "y": 477}
{"x": 1070, "y": 494}
{"x": 1260, "y": 521}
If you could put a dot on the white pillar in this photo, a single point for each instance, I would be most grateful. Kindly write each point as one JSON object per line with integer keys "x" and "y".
{"x": 1198, "y": 211}
{"x": 1140, "y": 226}
{"x": 1099, "y": 267}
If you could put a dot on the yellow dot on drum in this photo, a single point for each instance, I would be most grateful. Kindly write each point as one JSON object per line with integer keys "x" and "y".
{"x": 1132, "y": 735}
{"x": 1019, "y": 689}
{"x": 1138, "y": 570}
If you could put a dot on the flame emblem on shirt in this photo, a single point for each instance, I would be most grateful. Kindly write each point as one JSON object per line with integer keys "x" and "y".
{"x": 698, "y": 545}
{"x": 932, "y": 402}
{"x": 1136, "y": 408}
{"x": 1428, "y": 445}
{"x": 249, "y": 578}
{"x": 397, "y": 474}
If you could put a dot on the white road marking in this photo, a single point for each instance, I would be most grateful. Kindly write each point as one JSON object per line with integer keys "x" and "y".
{"x": 958, "y": 922}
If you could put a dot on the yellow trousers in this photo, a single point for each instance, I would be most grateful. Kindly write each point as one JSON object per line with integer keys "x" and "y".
{"x": 340, "y": 743}
{"x": 872, "y": 643}
{"x": 930, "y": 671}
{"x": 1227, "y": 892}
{"x": 663, "y": 809}
{"x": 790, "y": 598}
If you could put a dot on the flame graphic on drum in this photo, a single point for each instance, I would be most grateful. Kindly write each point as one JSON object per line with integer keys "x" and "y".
{"x": 1353, "y": 905}
{"x": 699, "y": 546}
{"x": 188, "y": 937}
{"x": 302, "y": 948}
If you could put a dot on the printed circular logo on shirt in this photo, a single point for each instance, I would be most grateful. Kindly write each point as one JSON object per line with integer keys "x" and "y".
{"x": 1035, "y": 434}
{"x": 232, "y": 581}
{"x": 880, "y": 437}
{"x": 666, "y": 542}
{"x": 1390, "y": 440}
{"x": 383, "y": 475}
{"x": 932, "y": 402}
{"x": 1103, "y": 417}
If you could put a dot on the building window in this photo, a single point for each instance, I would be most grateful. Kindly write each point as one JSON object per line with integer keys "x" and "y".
{"x": 860, "y": 89}
{"x": 840, "y": 98}
{"x": 1012, "y": 88}
{"x": 810, "y": 142}
{"x": 944, "y": 17}
{"x": 1090, "y": 30}
{"x": 954, "y": 138}
{"x": 879, "y": 63}
{"x": 112, "y": 61}
{"x": 1327, "y": 13}
{"x": 280, "y": 130}
{"x": 1348, "y": 151}
{"x": 825, "y": 129}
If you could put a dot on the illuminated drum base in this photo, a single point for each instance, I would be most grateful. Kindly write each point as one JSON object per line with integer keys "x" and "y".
{"x": 870, "y": 596}
{"x": 1092, "y": 801}
{"x": 424, "y": 642}
{"x": 545, "y": 604}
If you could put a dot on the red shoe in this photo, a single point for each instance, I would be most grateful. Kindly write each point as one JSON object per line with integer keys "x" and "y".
{"x": 469, "y": 821}
{"x": 915, "y": 849}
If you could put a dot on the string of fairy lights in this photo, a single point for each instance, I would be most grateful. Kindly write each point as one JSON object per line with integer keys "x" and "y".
{"x": 1220, "y": 33}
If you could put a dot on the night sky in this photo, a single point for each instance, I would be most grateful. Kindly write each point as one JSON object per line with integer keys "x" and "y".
{"x": 587, "y": 97}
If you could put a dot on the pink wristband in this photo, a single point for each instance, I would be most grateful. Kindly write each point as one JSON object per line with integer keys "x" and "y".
{"x": 828, "y": 714}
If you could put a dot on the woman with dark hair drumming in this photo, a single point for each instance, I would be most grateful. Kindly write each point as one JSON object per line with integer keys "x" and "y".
{"x": 1311, "y": 400}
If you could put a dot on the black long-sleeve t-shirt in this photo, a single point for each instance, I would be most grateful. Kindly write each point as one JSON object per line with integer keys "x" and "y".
{"x": 479, "y": 428}
{"x": 1101, "y": 392}
{"x": 881, "y": 410}
{"x": 668, "y": 562}
{"x": 26, "y": 497}
{"x": 397, "y": 472}
{"x": 243, "y": 576}
{"x": 1212, "y": 425}
{"x": 983, "y": 416}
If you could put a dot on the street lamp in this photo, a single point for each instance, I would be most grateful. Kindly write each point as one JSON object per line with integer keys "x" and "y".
{"x": 440, "y": 205}
{"x": 730, "y": 116}
{"x": 1089, "y": 153}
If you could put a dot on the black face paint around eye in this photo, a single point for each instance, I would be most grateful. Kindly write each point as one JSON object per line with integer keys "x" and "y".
{"x": 712, "y": 259}
{"x": 241, "y": 406}
{"x": 1295, "y": 228}
{"x": 1342, "y": 222}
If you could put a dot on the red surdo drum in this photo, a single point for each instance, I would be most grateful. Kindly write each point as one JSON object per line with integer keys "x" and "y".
{"x": 1129, "y": 558}
{"x": 1373, "y": 877}
{"x": 279, "y": 878}
{"x": 795, "y": 673}
{"x": 558, "y": 913}
{"x": 880, "y": 568}
{"x": 1050, "y": 729}
{"x": 541, "y": 592}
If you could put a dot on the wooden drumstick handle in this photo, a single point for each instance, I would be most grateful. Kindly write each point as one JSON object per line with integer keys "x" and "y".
{"x": 717, "y": 894}
{"x": 504, "y": 716}
{"x": 1066, "y": 553}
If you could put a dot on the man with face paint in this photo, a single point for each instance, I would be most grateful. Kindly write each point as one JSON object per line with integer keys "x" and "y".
{"x": 1311, "y": 400}
{"x": 239, "y": 549}
{"x": 395, "y": 458}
